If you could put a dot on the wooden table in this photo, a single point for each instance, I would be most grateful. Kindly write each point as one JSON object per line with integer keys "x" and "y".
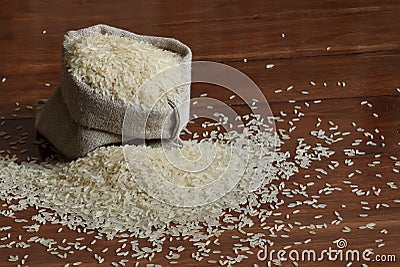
{"x": 352, "y": 46}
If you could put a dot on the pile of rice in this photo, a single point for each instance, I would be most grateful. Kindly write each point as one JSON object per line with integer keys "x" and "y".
{"x": 100, "y": 191}
{"x": 117, "y": 66}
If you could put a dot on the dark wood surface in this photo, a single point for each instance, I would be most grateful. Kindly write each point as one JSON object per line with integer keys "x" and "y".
{"x": 363, "y": 37}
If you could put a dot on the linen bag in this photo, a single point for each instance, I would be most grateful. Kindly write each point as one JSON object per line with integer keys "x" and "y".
{"x": 77, "y": 119}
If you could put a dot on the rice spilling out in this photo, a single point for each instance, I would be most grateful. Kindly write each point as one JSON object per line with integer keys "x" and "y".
{"x": 99, "y": 191}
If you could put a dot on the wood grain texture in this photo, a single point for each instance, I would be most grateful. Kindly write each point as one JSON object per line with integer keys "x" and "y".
{"x": 364, "y": 39}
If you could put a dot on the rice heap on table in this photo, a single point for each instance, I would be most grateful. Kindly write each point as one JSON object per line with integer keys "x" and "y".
{"x": 99, "y": 191}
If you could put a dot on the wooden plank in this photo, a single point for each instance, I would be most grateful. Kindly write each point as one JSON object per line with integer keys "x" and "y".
{"x": 359, "y": 75}
{"x": 163, "y": 12}
{"x": 364, "y": 75}
{"x": 342, "y": 112}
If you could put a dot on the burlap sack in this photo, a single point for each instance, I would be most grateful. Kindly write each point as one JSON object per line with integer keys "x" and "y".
{"x": 97, "y": 111}
{"x": 77, "y": 119}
